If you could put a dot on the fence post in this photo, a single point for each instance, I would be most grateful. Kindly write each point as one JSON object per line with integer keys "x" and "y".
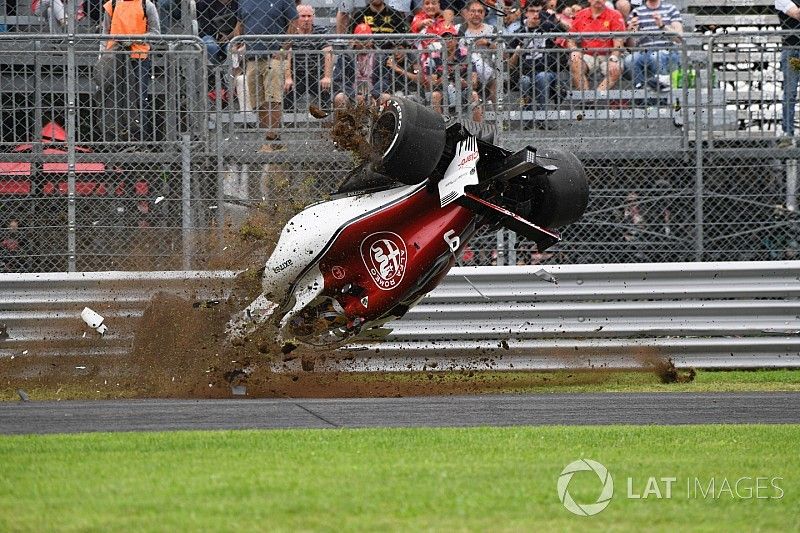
{"x": 511, "y": 257}
{"x": 71, "y": 124}
{"x": 186, "y": 201}
{"x": 685, "y": 95}
{"x": 500, "y": 83}
{"x": 698, "y": 175}
{"x": 501, "y": 254}
{"x": 218, "y": 156}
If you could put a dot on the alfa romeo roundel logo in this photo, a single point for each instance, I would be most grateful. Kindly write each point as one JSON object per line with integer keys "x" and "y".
{"x": 384, "y": 254}
{"x": 338, "y": 272}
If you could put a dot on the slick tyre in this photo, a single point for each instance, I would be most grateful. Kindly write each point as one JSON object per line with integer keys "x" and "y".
{"x": 561, "y": 196}
{"x": 408, "y": 139}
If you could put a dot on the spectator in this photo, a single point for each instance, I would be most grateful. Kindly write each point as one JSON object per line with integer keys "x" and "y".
{"x": 655, "y": 54}
{"x": 56, "y": 12}
{"x": 596, "y": 53}
{"x": 381, "y": 19}
{"x": 429, "y": 19}
{"x": 513, "y": 20}
{"x": 309, "y": 69}
{"x": 237, "y": 56}
{"x": 789, "y": 16}
{"x": 406, "y": 77}
{"x": 479, "y": 37}
{"x": 133, "y": 70}
{"x": 625, "y": 6}
{"x": 266, "y": 66}
{"x": 360, "y": 78}
{"x": 216, "y": 20}
{"x": 634, "y": 225}
{"x": 451, "y": 9}
{"x": 13, "y": 249}
{"x": 539, "y": 60}
{"x": 344, "y": 14}
{"x": 565, "y": 17}
{"x": 346, "y": 8}
{"x": 450, "y": 75}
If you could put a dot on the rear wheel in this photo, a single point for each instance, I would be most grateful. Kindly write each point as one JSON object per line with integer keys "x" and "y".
{"x": 561, "y": 197}
{"x": 409, "y": 138}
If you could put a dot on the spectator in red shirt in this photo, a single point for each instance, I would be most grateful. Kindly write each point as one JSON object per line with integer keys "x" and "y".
{"x": 429, "y": 19}
{"x": 596, "y": 53}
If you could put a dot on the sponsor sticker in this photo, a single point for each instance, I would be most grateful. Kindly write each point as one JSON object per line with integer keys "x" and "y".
{"x": 337, "y": 272}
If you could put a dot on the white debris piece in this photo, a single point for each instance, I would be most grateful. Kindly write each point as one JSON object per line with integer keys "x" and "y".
{"x": 94, "y": 320}
{"x": 158, "y": 200}
{"x": 546, "y": 276}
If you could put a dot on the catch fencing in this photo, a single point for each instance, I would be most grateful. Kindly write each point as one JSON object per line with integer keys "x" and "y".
{"x": 696, "y": 171}
{"x": 704, "y": 315}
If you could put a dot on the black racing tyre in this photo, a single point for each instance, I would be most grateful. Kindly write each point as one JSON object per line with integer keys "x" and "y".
{"x": 409, "y": 139}
{"x": 561, "y": 196}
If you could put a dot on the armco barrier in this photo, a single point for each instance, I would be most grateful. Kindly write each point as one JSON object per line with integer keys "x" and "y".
{"x": 725, "y": 315}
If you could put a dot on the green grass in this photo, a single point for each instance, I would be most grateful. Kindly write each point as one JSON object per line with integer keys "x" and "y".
{"x": 489, "y": 479}
{"x": 605, "y": 381}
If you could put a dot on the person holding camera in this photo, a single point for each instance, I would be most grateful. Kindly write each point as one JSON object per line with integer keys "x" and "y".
{"x": 654, "y": 53}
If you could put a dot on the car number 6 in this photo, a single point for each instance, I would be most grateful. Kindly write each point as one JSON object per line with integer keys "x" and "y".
{"x": 453, "y": 240}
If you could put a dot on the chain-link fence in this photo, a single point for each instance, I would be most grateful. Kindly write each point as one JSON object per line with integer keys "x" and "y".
{"x": 686, "y": 163}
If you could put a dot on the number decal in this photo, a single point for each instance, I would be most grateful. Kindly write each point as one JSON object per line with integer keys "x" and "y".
{"x": 453, "y": 240}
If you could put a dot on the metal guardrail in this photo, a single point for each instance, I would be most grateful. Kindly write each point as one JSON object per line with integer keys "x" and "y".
{"x": 723, "y": 315}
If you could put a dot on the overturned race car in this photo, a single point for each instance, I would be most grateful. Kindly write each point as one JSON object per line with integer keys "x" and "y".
{"x": 343, "y": 268}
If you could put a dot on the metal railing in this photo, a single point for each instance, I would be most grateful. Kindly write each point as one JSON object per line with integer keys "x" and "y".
{"x": 710, "y": 315}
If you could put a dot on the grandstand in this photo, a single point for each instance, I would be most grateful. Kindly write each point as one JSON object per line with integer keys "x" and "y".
{"x": 744, "y": 97}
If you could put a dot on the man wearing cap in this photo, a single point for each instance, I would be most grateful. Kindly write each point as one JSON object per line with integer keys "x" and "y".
{"x": 265, "y": 69}
{"x": 596, "y": 53}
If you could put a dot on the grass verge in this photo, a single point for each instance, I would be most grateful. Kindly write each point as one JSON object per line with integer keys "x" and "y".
{"x": 433, "y": 383}
{"x": 445, "y": 479}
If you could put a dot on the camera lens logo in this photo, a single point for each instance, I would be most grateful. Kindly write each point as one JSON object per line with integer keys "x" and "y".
{"x": 585, "y": 509}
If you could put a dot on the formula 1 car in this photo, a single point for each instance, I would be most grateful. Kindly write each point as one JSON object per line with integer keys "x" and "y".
{"x": 343, "y": 268}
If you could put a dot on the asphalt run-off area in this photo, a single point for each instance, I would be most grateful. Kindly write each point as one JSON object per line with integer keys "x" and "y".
{"x": 440, "y": 411}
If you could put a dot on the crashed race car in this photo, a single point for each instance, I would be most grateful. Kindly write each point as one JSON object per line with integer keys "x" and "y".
{"x": 344, "y": 268}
